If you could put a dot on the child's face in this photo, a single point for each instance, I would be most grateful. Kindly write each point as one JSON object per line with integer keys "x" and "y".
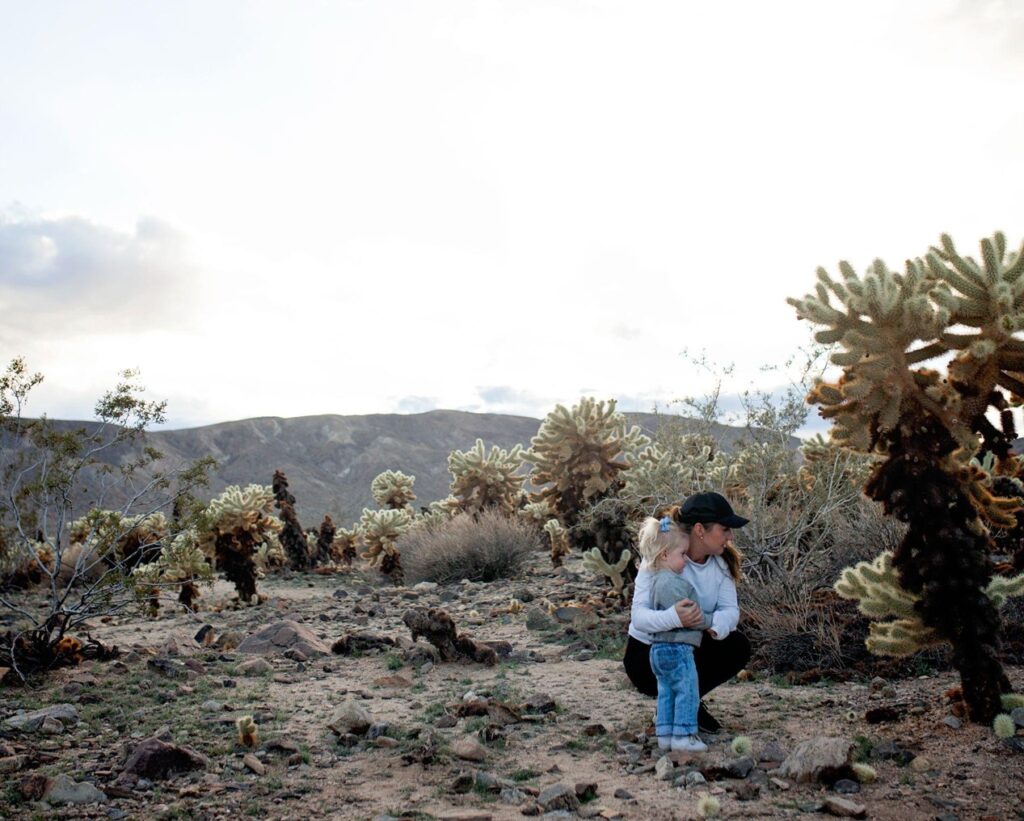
{"x": 675, "y": 558}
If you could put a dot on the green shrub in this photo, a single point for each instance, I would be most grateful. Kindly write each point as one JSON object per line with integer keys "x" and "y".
{"x": 481, "y": 548}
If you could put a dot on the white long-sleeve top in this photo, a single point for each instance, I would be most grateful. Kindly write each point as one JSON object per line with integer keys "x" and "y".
{"x": 716, "y": 595}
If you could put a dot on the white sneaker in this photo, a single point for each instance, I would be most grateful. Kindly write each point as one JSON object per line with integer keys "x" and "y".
{"x": 688, "y": 744}
{"x": 665, "y": 742}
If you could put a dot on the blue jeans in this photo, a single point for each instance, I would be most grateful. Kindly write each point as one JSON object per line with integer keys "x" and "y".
{"x": 677, "y": 689}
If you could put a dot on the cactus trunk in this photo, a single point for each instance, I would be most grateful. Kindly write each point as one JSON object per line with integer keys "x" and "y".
{"x": 943, "y": 558}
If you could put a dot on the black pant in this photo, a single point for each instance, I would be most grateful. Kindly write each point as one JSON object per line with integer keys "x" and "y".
{"x": 717, "y": 661}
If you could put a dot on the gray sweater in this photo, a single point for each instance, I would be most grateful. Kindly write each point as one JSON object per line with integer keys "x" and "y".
{"x": 666, "y": 589}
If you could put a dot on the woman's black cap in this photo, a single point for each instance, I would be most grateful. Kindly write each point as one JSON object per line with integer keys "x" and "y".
{"x": 706, "y": 508}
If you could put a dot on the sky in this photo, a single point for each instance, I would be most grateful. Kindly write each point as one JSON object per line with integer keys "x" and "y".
{"x": 376, "y": 206}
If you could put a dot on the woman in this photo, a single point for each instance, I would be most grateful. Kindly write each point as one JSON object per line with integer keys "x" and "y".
{"x": 713, "y": 569}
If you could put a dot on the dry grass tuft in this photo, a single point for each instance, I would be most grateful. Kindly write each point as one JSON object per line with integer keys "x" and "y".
{"x": 480, "y": 548}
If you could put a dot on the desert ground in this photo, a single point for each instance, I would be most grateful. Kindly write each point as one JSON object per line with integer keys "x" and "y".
{"x": 386, "y": 729}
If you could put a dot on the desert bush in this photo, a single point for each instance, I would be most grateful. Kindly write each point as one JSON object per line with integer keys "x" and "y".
{"x": 483, "y": 548}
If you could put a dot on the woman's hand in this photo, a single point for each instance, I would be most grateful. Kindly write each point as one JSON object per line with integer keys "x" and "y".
{"x": 689, "y": 613}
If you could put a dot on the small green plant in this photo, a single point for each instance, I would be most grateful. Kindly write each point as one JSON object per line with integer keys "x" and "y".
{"x": 862, "y": 747}
{"x": 865, "y": 773}
{"x": 524, "y": 774}
{"x": 1004, "y": 726}
{"x": 742, "y": 745}
{"x": 394, "y": 661}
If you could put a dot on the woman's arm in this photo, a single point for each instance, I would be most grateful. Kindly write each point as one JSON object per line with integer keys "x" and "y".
{"x": 727, "y": 611}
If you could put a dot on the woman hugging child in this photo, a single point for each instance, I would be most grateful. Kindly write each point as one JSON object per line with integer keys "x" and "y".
{"x": 663, "y": 545}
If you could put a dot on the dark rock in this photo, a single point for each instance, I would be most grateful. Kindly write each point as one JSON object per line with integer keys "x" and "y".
{"x": 595, "y": 730}
{"x": 891, "y": 751}
{"x": 155, "y": 759}
{"x": 558, "y": 797}
{"x": 623, "y": 795}
{"x": 168, "y": 668}
{"x": 586, "y": 790}
{"x": 205, "y": 636}
{"x": 883, "y": 715}
{"x": 377, "y": 729}
{"x": 487, "y": 782}
{"x": 846, "y": 786}
{"x": 745, "y": 791}
{"x": 772, "y": 752}
{"x": 539, "y": 703}
{"x": 462, "y": 783}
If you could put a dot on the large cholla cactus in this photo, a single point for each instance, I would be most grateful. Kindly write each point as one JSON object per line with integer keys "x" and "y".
{"x": 928, "y": 427}
{"x": 293, "y": 537}
{"x": 344, "y": 546}
{"x": 121, "y": 541}
{"x": 181, "y": 563}
{"x": 235, "y": 525}
{"x": 380, "y": 530}
{"x": 663, "y": 473}
{"x": 579, "y": 456}
{"x": 393, "y": 489}
{"x": 482, "y": 480}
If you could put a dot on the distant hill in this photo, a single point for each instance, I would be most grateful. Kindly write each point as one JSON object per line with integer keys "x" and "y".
{"x": 331, "y": 460}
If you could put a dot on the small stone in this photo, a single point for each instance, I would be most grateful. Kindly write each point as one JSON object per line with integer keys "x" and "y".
{"x": 211, "y": 706}
{"x": 877, "y": 683}
{"x": 595, "y": 730}
{"x": 512, "y": 795}
{"x": 817, "y": 758}
{"x": 846, "y": 786}
{"x": 921, "y": 764}
{"x": 1017, "y": 714}
{"x": 771, "y": 752}
{"x": 745, "y": 791}
{"x": 664, "y": 768}
{"x": 12, "y": 763}
{"x": 539, "y": 703}
{"x": 779, "y": 784}
{"x": 51, "y": 726}
{"x": 558, "y": 797}
{"x": 469, "y": 749}
{"x": 740, "y": 767}
{"x": 623, "y": 795}
{"x": 462, "y": 783}
{"x": 844, "y": 807}
{"x": 385, "y": 742}
{"x": 255, "y": 667}
{"x": 586, "y": 790}
{"x": 253, "y": 764}
{"x": 66, "y": 714}
{"x": 377, "y": 729}
{"x": 350, "y": 717}
{"x": 952, "y": 722}
{"x": 486, "y": 781}
{"x": 64, "y": 790}
{"x": 694, "y": 778}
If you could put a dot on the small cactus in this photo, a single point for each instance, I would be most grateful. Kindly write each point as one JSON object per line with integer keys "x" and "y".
{"x": 248, "y": 732}
{"x": 559, "y": 538}
{"x": 595, "y": 563}
{"x": 865, "y": 773}
{"x": 742, "y": 745}
{"x": 708, "y": 806}
{"x": 1004, "y": 726}
{"x": 1012, "y": 701}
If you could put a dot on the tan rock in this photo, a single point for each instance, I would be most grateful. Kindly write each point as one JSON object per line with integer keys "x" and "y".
{"x": 253, "y": 764}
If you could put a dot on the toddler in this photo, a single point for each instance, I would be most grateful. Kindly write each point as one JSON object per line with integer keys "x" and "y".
{"x": 663, "y": 546}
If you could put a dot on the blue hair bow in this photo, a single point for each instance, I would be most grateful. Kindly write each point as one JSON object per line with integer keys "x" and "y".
{"x": 665, "y": 524}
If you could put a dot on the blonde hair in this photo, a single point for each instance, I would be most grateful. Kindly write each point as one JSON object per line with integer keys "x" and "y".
{"x": 658, "y": 536}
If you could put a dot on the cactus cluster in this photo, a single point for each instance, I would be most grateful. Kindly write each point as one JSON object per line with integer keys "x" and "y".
{"x": 235, "y": 525}
{"x": 579, "y": 457}
{"x": 380, "y": 529}
{"x": 392, "y": 489}
{"x": 121, "y": 541}
{"x": 482, "y": 480}
{"x": 180, "y": 563}
{"x": 927, "y": 427}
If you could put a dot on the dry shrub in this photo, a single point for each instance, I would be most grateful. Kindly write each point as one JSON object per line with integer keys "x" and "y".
{"x": 482, "y": 548}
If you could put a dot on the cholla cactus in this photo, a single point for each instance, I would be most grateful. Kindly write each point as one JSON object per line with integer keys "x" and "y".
{"x": 269, "y": 555}
{"x": 536, "y": 513}
{"x": 344, "y": 545}
{"x": 235, "y": 525}
{"x": 660, "y": 474}
{"x": 380, "y": 530}
{"x": 595, "y": 563}
{"x": 928, "y": 427}
{"x": 393, "y": 489}
{"x": 121, "y": 541}
{"x": 559, "y": 539}
{"x": 579, "y": 456}
{"x": 293, "y": 537}
{"x": 482, "y": 480}
{"x": 182, "y": 563}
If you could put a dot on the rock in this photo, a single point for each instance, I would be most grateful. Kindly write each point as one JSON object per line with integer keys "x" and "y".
{"x": 772, "y": 752}
{"x": 64, "y": 790}
{"x": 877, "y": 683}
{"x": 280, "y": 636}
{"x": 739, "y": 767}
{"x": 921, "y": 764}
{"x": 469, "y": 749}
{"x": 779, "y": 784}
{"x": 586, "y": 790}
{"x": 694, "y": 778}
{"x": 891, "y": 751}
{"x": 12, "y": 763}
{"x": 66, "y": 714}
{"x": 846, "y": 786}
{"x": 822, "y": 758}
{"x": 883, "y": 715}
{"x": 745, "y": 791}
{"x": 378, "y": 729}
{"x": 253, "y": 764}
{"x": 512, "y": 795}
{"x": 595, "y": 730}
{"x": 51, "y": 726}
{"x": 168, "y": 668}
{"x": 664, "y": 768}
{"x": 395, "y": 682}
{"x": 623, "y": 795}
{"x": 539, "y": 703}
{"x": 229, "y": 640}
{"x": 558, "y": 797}
{"x": 155, "y": 759}
{"x": 425, "y": 587}
{"x": 33, "y": 786}
{"x": 350, "y": 717}
{"x": 537, "y": 619}
{"x": 844, "y": 807}
{"x": 486, "y": 781}
{"x": 211, "y": 706}
{"x": 255, "y": 667}
{"x": 462, "y": 783}
{"x": 953, "y": 722}
{"x": 1017, "y": 714}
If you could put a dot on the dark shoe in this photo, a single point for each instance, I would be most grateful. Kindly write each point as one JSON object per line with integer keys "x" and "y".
{"x": 706, "y": 722}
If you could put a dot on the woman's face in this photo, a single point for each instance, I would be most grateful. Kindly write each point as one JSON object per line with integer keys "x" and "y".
{"x": 715, "y": 537}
